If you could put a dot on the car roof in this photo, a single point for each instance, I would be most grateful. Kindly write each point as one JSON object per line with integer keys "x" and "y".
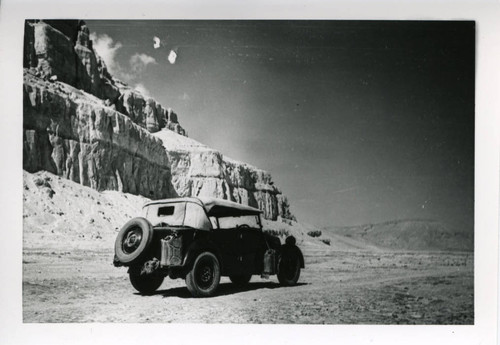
{"x": 213, "y": 206}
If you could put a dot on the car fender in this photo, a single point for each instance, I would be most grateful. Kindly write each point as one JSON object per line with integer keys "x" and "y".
{"x": 196, "y": 248}
{"x": 292, "y": 249}
{"x": 301, "y": 257}
{"x": 273, "y": 242}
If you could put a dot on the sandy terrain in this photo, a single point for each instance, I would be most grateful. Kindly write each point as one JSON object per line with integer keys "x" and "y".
{"x": 336, "y": 288}
{"x": 68, "y": 275}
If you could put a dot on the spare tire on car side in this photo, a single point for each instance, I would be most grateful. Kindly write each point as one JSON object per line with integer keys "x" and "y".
{"x": 133, "y": 241}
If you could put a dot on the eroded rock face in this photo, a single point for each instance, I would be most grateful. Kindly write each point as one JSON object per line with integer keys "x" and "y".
{"x": 54, "y": 53}
{"x": 70, "y": 133}
{"x": 85, "y": 125}
{"x": 198, "y": 170}
{"x": 62, "y": 50}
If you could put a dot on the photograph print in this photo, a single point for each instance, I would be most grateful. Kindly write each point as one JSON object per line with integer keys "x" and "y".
{"x": 248, "y": 171}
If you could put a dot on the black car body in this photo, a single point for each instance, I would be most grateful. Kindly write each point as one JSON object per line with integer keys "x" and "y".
{"x": 200, "y": 240}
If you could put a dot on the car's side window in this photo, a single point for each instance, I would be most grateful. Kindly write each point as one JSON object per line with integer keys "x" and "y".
{"x": 229, "y": 222}
{"x": 165, "y": 211}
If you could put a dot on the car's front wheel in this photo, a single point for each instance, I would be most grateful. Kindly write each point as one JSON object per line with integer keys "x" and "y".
{"x": 204, "y": 277}
{"x": 289, "y": 270}
{"x": 146, "y": 283}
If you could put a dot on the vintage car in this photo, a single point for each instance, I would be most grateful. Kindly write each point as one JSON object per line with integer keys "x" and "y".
{"x": 200, "y": 240}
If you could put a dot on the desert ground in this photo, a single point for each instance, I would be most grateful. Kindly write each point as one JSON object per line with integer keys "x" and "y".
{"x": 68, "y": 275}
{"x": 335, "y": 288}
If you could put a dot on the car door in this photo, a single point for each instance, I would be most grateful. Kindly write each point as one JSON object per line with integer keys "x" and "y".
{"x": 252, "y": 247}
{"x": 228, "y": 243}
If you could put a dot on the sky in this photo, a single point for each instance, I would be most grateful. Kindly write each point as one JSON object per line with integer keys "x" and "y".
{"x": 357, "y": 121}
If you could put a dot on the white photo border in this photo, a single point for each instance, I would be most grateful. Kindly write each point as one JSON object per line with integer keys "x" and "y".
{"x": 487, "y": 175}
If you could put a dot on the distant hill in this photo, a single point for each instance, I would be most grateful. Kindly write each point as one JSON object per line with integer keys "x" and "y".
{"x": 418, "y": 234}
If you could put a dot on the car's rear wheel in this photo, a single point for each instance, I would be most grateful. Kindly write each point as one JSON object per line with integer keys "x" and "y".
{"x": 204, "y": 277}
{"x": 146, "y": 283}
{"x": 133, "y": 240}
{"x": 289, "y": 270}
{"x": 241, "y": 279}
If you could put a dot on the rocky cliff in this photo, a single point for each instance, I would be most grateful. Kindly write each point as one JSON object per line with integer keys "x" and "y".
{"x": 198, "y": 170}
{"x": 73, "y": 134}
{"x": 83, "y": 124}
{"x": 61, "y": 50}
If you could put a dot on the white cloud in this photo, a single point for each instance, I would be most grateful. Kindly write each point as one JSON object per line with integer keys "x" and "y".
{"x": 142, "y": 59}
{"x": 172, "y": 57}
{"x": 139, "y": 62}
{"x": 107, "y": 49}
{"x": 142, "y": 89}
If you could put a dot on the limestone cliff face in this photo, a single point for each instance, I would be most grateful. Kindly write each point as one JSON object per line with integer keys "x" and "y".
{"x": 85, "y": 125}
{"x": 62, "y": 50}
{"x": 71, "y": 133}
{"x": 198, "y": 170}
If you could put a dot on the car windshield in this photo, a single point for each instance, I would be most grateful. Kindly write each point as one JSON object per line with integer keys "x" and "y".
{"x": 184, "y": 213}
{"x": 251, "y": 221}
